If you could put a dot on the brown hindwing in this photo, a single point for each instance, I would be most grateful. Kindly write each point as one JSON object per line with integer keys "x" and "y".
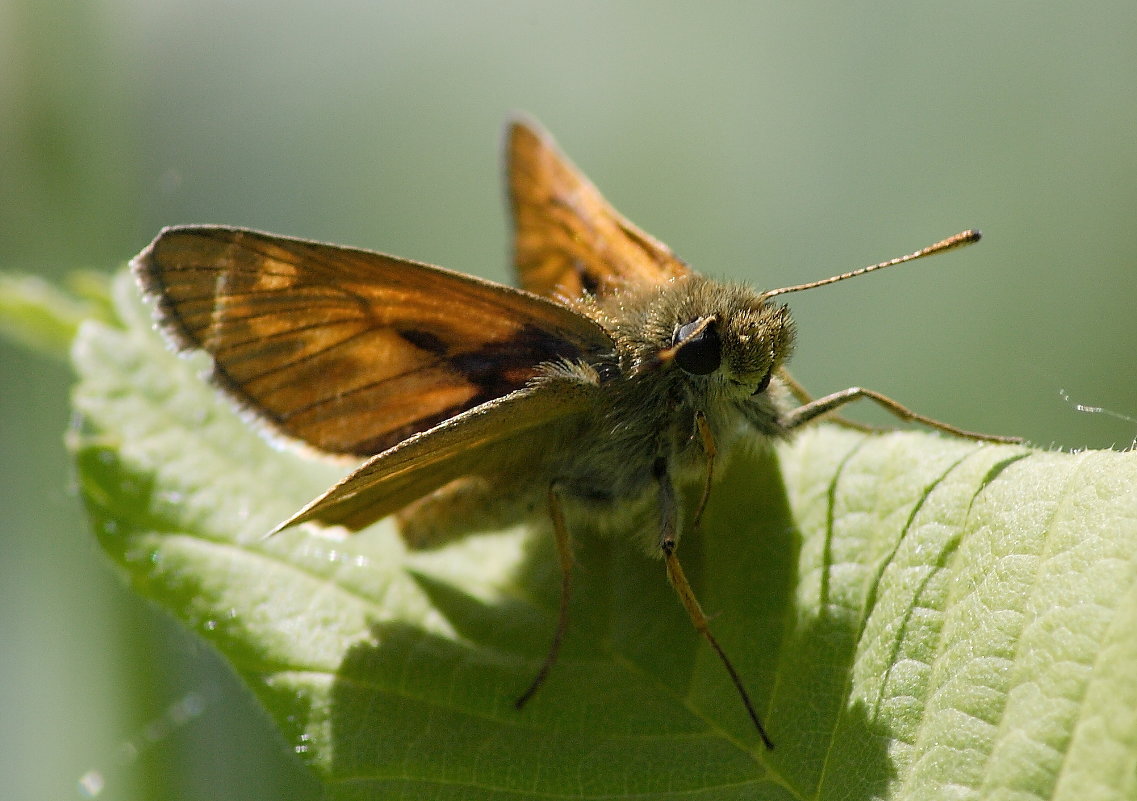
{"x": 509, "y": 434}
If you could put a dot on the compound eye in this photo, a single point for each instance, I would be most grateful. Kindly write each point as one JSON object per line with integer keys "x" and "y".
{"x": 764, "y": 383}
{"x": 702, "y": 353}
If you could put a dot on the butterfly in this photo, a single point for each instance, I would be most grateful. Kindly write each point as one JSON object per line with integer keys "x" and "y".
{"x": 614, "y": 375}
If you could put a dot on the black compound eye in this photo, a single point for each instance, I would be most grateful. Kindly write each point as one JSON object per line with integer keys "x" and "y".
{"x": 701, "y": 354}
{"x": 764, "y": 383}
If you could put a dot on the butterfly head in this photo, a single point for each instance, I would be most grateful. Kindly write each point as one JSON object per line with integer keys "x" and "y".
{"x": 727, "y": 333}
{"x": 757, "y": 340}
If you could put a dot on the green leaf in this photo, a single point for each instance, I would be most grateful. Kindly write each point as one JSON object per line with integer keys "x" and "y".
{"x": 44, "y": 318}
{"x": 916, "y": 617}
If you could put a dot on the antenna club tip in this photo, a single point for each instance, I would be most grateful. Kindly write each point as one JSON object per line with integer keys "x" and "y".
{"x": 968, "y": 237}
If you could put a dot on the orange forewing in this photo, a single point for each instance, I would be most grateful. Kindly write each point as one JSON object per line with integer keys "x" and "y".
{"x": 348, "y": 350}
{"x": 568, "y": 240}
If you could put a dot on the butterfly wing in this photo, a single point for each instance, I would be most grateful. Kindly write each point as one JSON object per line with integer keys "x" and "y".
{"x": 348, "y": 350}
{"x": 568, "y": 241}
{"x": 497, "y": 438}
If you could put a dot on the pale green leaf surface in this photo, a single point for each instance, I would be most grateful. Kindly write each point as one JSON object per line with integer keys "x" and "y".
{"x": 916, "y": 617}
{"x": 43, "y": 317}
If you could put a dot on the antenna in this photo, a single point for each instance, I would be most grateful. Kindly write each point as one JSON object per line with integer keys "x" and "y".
{"x": 952, "y": 242}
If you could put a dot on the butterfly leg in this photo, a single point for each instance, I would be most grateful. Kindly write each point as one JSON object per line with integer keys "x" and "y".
{"x": 816, "y": 408}
{"x": 667, "y": 543}
{"x": 564, "y": 556}
{"x": 709, "y": 449}
{"x": 803, "y": 397}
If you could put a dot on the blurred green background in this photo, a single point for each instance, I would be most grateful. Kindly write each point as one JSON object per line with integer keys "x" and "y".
{"x": 771, "y": 142}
